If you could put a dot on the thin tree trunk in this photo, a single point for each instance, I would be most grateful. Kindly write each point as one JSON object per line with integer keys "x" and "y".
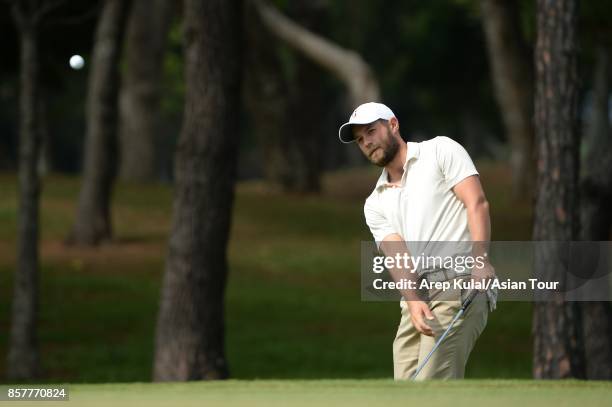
{"x": 266, "y": 98}
{"x": 513, "y": 80}
{"x": 146, "y": 37}
{"x": 291, "y": 147}
{"x": 93, "y": 220}
{"x": 44, "y": 157}
{"x": 596, "y": 220}
{"x": 558, "y": 348}
{"x": 23, "y": 357}
{"x": 190, "y": 328}
{"x": 597, "y": 166}
{"x": 304, "y": 132}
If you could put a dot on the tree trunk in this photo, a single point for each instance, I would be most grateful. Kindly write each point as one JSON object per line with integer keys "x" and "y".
{"x": 44, "y": 157}
{"x": 93, "y": 220}
{"x": 190, "y": 326}
{"x": 558, "y": 347}
{"x": 23, "y": 356}
{"x": 291, "y": 147}
{"x": 597, "y": 163}
{"x": 513, "y": 81}
{"x": 305, "y": 131}
{"x": 146, "y": 37}
{"x": 596, "y": 219}
{"x": 266, "y": 98}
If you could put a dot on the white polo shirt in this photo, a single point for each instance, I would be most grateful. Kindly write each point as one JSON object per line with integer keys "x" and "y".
{"x": 423, "y": 208}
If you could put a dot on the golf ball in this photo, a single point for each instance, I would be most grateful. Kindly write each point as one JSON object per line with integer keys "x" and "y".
{"x": 77, "y": 62}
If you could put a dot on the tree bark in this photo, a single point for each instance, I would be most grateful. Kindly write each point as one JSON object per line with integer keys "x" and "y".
{"x": 23, "y": 356}
{"x": 93, "y": 221}
{"x": 146, "y": 37}
{"x": 513, "y": 82}
{"x": 558, "y": 348}
{"x": 596, "y": 219}
{"x": 190, "y": 326}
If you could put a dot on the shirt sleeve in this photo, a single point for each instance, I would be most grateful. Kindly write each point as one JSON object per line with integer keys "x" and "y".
{"x": 454, "y": 161}
{"x": 379, "y": 226}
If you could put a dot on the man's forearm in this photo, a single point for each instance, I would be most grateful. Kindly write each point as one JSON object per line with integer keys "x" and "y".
{"x": 392, "y": 246}
{"x": 469, "y": 191}
{"x": 480, "y": 229}
{"x": 479, "y": 224}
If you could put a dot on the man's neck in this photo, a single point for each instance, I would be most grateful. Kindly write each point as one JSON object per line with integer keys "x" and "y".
{"x": 395, "y": 168}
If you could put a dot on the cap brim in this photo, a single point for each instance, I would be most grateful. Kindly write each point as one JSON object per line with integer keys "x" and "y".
{"x": 345, "y": 134}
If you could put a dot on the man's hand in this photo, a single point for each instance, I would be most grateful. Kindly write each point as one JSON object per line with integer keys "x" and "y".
{"x": 419, "y": 311}
{"x": 483, "y": 273}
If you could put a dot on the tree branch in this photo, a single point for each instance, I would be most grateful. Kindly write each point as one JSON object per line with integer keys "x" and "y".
{"x": 346, "y": 65}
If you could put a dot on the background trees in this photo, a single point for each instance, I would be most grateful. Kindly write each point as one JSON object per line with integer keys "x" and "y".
{"x": 596, "y": 195}
{"x": 440, "y": 65}
{"x": 511, "y": 73}
{"x": 558, "y": 342}
{"x": 190, "y": 329}
{"x": 140, "y": 120}
{"x": 23, "y": 357}
{"x": 93, "y": 219}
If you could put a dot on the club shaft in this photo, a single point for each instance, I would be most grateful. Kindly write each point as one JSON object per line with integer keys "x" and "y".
{"x": 438, "y": 342}
{"x": 464, "y": 306}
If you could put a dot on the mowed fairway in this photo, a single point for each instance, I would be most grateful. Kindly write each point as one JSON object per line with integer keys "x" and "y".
{"x": 353, "y": 393}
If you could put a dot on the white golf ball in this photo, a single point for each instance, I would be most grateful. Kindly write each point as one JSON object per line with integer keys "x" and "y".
{"x": 77, "y": 62}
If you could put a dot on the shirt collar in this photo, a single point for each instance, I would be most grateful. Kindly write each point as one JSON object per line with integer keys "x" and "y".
{"x": 412, "y": 153}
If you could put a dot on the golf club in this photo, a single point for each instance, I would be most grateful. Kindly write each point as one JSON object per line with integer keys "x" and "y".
{"x": 464, "y": 306}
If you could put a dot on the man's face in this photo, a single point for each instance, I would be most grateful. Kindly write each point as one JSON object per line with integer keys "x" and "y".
{"x": 376, "y": 141}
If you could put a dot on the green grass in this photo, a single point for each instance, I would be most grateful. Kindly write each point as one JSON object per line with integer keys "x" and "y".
{"x": 353, "y": 393}
{"x": 293, "y": 299}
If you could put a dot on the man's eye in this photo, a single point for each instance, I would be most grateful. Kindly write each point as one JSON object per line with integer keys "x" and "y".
{"x": 370, "y": 131}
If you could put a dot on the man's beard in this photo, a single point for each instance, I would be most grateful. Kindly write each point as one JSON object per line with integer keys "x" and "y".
{"x": 389, "y": 149}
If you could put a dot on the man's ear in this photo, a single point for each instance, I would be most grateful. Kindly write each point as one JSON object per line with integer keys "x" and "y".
{"x": 394, "y": 124}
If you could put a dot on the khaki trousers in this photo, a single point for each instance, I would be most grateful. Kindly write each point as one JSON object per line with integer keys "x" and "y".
{"x": 410, "y": 347}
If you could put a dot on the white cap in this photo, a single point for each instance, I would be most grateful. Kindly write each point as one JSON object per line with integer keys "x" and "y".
{"x": 364, "y": 114}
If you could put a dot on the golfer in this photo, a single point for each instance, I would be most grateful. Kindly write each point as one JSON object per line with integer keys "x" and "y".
{"x": 427, "y": 192}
